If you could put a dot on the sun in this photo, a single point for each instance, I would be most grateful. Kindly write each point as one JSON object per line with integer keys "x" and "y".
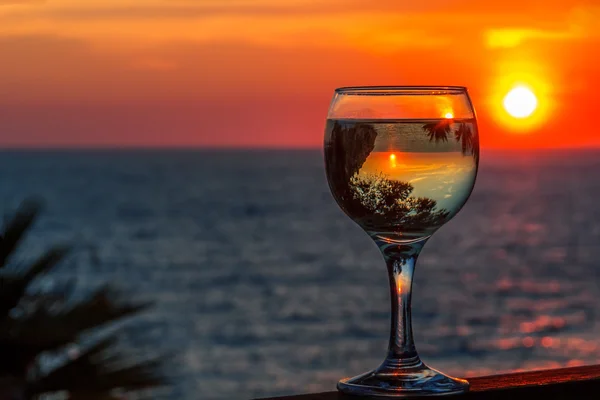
{"x": 393, "y": 160}
{"x": 522, "y": 96}
{"x": 520, "y": 102}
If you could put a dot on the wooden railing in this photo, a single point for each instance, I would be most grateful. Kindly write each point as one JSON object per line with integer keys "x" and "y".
{"x": 578, "y": 383}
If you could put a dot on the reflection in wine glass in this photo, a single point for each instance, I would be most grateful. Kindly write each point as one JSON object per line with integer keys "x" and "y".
{"x": 401, "y": 162}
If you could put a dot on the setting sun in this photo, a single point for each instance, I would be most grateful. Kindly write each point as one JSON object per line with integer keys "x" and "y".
{"x": 520, "y": 102}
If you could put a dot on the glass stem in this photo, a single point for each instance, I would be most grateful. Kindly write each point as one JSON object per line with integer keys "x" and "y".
{"x": 401, "y": 260}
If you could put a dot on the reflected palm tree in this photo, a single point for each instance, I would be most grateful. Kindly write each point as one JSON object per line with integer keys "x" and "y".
{"x": 438, "y": 131}
{"x": 464, "y": 135}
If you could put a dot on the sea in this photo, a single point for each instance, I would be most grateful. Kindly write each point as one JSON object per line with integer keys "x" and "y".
{"x": 261, "y": 286}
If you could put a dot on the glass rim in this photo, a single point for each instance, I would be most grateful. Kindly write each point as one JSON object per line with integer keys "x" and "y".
{"x": 399, "y": 90}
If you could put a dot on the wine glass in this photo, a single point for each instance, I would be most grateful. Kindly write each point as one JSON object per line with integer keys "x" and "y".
{"x": 401, "y": 162}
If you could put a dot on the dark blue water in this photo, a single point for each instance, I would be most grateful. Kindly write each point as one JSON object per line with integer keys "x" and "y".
{"x": 263, "y": 286}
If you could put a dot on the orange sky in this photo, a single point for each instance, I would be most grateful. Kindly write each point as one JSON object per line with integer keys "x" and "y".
{"x": 262, "y": 72}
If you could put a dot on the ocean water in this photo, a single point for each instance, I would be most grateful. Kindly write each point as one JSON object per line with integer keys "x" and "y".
{"x": 262, "y": 286}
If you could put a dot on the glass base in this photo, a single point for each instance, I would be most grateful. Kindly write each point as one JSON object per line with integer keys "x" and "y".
{"x": 416, "y": 380}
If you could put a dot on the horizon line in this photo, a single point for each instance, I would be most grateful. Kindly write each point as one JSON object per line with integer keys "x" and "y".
{"x": 115, "y": 147}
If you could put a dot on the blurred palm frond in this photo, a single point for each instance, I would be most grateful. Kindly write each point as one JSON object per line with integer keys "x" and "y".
{"x": 33, "y": 325}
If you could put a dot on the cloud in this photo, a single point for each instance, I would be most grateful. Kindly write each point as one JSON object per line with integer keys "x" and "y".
{"x": 513, "y": 37}
{"x": 98, "y": 10}
{"x": 372, "y": 31}
{"x": 579, "y": 23}
{"x": 202, "y": 9}
{"x": 52, "y": 69}
{"x": 381, "y": 27}
{"x": 21, "y": 2}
